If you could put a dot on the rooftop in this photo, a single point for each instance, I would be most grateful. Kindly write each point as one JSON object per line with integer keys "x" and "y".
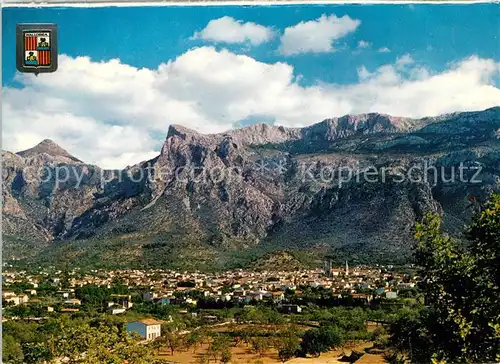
{"x": 150, "y": 322}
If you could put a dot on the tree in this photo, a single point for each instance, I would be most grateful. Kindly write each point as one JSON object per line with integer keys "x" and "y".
{"x": 484, "y": 238}
{"x": 332, "y": 336}
{"x": 11, "y": 350}
{"x": 156, "y": 346}
{"x": 321, "y": 340}
{"x": 285, "y": 355}
{"x": 23, "y": 332}
{"x": 313, "y": 344}
{"x": 260, "y": 345}
{"x": 226, "y": 356}
{"x": 220, "y": 344}
{"x": 36, "y": 352}
{"x": 172, "y": 341}
{"x": 203, "y": 359}
{"x": 89, "y": 342}
{"x": 461, "y": 285}
{"x": 246, "y": 336}
{"x": 288, "y": 345}
{"x": 193, "y": 340}
{"x": 93, "y": 296}
{"x": 380, "y": 338}
{"x": 409, "y": 334}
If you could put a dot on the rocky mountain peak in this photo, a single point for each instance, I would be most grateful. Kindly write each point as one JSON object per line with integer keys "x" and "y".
{"x": 49, "y": 147}
{"x": 180, "y": 131}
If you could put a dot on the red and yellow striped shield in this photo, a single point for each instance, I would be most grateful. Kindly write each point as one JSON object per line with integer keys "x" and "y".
{"x": 37, "y": 49}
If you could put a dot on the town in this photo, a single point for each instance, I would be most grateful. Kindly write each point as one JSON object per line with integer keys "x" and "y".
{"x": 155, "y": 305}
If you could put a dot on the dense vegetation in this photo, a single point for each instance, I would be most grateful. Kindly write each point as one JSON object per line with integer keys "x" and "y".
{"x": 80, "y": 340}
{"x": 461, "y": 320}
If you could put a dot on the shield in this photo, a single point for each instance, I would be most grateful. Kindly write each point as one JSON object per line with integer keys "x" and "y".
{"x": 36, "y": 48}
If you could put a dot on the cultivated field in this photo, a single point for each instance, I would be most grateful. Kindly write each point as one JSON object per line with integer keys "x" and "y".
{"x": 243, "y": 353}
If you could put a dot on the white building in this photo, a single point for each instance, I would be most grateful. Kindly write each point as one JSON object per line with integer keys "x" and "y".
{"x": 116, "y": 309}
{"x": 123, "y": 300}
{"x": 148, "y": 329}
{"x": 16, "y": 300}
{"x": 391, "y": 295}
{"x": 73, "y": 302}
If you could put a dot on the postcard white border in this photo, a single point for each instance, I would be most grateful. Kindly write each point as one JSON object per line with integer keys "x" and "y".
{"x": 146, "y": 3}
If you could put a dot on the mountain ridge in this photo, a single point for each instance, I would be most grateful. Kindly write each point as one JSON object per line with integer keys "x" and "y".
{"x": 183, "y": 215}
{"x": 243, "y": 134}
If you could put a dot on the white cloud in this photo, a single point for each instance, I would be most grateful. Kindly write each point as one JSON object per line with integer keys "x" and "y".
{"x": 384, "y": 50}
{"x": 84, "y": 136}
{"x": 230, "y": 30}
{"x": 404, "y": 60}
{"x": 316, "y": 36}
{"x": 416, "y": 92}
{"x": 113, "y": 114}
{"x": 363, "y": 73}
{"x": 363, "y": 44}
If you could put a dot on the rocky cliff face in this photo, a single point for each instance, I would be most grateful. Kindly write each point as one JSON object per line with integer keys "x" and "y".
{"x": 352, "y": 186}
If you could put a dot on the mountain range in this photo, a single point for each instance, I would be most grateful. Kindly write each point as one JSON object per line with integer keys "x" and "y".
{"x": 349, "y": 187}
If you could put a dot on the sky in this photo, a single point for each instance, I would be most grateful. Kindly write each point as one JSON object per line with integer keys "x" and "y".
{"x": 126, "y": 73}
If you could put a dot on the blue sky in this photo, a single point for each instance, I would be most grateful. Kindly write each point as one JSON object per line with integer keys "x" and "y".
{"x": 415, "y": 48}
{"x": 145, "y": 37}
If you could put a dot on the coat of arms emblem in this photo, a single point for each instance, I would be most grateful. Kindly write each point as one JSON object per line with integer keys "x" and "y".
{"x": 36, "y": 48}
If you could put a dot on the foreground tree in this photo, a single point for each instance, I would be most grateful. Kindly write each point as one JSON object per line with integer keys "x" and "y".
{"x": 11, "y": 350}
{"x": 36, "y": 352}
{"x": 86, "y": 342}
{"x": 193, "y": 340}
{"x": 172, "y": 340}
{"x": 260, "y": 345}
{"x": 322, "y": 340}
{"x": 461, "y": 323}
{"x": 288, "y": 345}
{"x": 226, "y": 355}
{"x": 484, "y": 237}
{"x": 220, "y": 345}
